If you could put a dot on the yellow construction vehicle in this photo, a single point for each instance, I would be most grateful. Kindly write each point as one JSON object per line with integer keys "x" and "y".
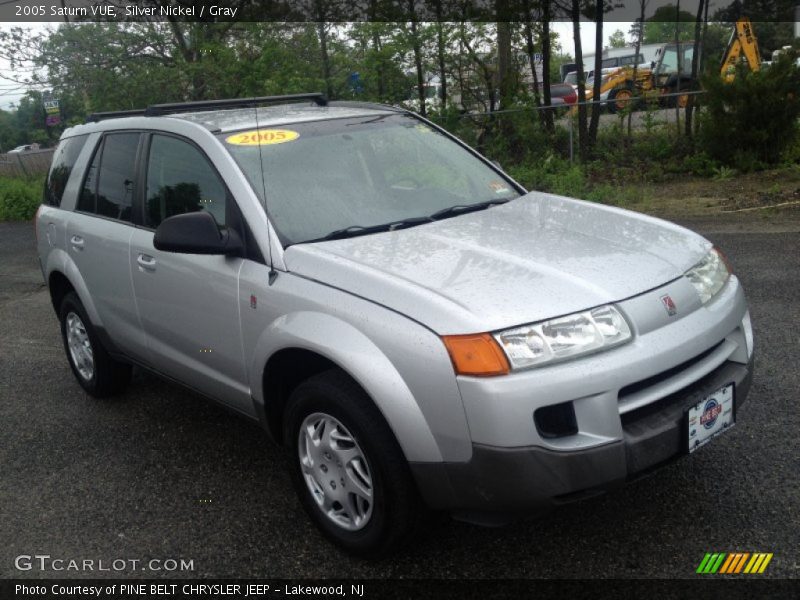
{"x": 668, "y": 74}
{"x": 742, "y": 45}
{"x": 671, "y": 72}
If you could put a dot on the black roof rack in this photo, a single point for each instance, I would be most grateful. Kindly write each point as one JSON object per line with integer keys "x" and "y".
{"x": 115, "y": 114}
{"x": 166, "y": 109}
{"x": 373, "y": 105}
{"x": 177, "y": 107}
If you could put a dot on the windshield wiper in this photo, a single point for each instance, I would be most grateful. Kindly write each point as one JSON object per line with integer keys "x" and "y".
{"x": 356, "y": 230}
{"x": 460, "y": 209}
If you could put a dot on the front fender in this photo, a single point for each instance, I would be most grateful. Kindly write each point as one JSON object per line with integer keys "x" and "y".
{"x": 350, "y": 349}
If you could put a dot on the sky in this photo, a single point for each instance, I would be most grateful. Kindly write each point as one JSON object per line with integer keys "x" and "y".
{"x": 588, "y": 31}
{"x": 10, "y": 91}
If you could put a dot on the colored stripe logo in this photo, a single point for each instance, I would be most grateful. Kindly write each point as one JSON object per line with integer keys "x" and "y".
{"x": 734, "y": 563}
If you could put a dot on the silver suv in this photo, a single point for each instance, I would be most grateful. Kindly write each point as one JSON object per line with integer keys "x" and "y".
{"x": 418, "y": 330}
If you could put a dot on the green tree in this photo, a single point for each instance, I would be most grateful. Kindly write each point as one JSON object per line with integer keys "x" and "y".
{"x": 773, "y": 21}
{"x": 753, "y": 120}
{"x": 661, "y": 26}
{"x": 617, "y": 39}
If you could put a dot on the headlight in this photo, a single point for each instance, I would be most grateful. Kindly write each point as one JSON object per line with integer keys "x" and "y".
{"x": 564, "y": 337}
{"x": 709, "y": 275}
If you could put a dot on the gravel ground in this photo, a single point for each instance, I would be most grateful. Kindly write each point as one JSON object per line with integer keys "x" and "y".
{"x": 162, "y": 473}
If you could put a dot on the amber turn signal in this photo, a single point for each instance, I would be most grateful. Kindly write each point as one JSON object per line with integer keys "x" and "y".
{"x": 477, "y": 354}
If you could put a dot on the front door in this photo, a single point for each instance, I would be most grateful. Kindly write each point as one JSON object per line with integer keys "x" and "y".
{"x": 188, "y": 303}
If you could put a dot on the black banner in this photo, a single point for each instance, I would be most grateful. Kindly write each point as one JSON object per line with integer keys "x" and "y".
{"x": 357, "y": 10}
{"x": 252, "y": 589}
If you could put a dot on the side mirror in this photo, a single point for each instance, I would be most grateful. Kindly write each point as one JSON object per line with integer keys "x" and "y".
{"x": 196, "y": 233}
{"x": 652, "y": 64}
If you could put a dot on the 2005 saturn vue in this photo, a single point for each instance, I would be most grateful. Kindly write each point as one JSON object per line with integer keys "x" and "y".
{"x": 412, "y": 325}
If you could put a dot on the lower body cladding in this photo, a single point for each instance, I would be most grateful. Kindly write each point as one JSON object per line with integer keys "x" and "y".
{"x": 552, "y": 435}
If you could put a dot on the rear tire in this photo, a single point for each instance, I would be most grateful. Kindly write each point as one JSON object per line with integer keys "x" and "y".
{"x": 347, "y": 468}
{"x": 97, "y": 373}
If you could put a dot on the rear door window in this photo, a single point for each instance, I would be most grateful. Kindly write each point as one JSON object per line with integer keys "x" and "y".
{"x": 108, "y": 189}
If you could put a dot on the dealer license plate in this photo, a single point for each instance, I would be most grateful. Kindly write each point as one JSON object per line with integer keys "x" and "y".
{"x": 710, "y": 417}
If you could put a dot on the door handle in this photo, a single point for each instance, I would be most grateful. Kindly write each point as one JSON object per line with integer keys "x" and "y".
{"x": 77, "y": 242}
{"x": 146, "y": 262}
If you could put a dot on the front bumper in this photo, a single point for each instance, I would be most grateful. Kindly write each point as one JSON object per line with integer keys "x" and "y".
{"x": 534, "y": 479}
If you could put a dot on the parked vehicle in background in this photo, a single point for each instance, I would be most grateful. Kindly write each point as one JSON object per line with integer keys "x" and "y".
{"x": 414, "y": 327}
{"x": 24, "y": 148}
{"x": 671, "y": 73}
{"x": 624, "y": 57}
{"x": 571, "y": 78}
{"x": 562, "y": 95}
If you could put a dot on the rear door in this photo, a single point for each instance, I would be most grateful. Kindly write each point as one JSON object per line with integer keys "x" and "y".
{"x": 98, "y": 235}
{"x": 188, "y": 303}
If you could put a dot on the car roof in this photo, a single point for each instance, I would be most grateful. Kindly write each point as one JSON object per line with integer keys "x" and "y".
{"x": 245, "y": 118}
{"x": 232, "y": 119}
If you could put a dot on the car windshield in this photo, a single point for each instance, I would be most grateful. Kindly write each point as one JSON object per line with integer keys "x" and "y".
{"x": 342, "y": 177}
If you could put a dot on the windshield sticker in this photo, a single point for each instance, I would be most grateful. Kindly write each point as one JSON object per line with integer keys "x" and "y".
{"x": 423, "y": 128}
{"x": 499, "y": 187}
{"x": 262, "y": 137}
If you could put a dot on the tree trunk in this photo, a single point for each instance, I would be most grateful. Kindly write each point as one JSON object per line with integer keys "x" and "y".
{"x": 583, "y": 131}
{"x": 548, "y": 116}
{"x": 418, "y": 64}
{"x": 701, "y": 63}
{"x": 695, "y": 61}
{"x": 639, "y": 35}
{"x": 537, "y": 99}
{"x": 322, "y": 33}
{"x": 440, "y": 55}
{"x": 598, "y": 75}
{"x": 504, "y": 75}
{"x": 678, "y": 54}
{"x": 378, "y": 47}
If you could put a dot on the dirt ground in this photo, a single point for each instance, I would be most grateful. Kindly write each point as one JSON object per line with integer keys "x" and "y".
{"x": 763, "y": 201}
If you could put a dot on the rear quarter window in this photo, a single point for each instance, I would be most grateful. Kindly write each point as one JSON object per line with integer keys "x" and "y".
{"x": 63, "y": 160}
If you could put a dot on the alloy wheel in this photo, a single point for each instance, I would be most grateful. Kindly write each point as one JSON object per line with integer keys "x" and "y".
{"x": 80, "y": 346}
{"x": 336, "y": 471}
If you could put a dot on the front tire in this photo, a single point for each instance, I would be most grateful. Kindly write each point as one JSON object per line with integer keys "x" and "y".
{"x": 619, "y": 99}
{"x": 97, "y": 373}
{"x": 348, "y": 470}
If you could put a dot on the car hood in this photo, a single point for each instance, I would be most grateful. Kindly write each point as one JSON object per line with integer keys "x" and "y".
{"x": 534, "y": 258}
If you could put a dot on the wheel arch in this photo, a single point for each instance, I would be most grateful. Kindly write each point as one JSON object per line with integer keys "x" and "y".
{"x": 302, "y": 344}
{"x": 63, "y": 276}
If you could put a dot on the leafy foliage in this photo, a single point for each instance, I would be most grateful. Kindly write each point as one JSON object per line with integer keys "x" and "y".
{"x": 19, "y": 198}
{"x": 661, "y": 26}
{"x": 617, "y": 39}
{"x": 752, "y": 121}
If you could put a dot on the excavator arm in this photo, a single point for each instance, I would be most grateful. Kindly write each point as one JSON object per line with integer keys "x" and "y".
{"x": 743, "y": 43}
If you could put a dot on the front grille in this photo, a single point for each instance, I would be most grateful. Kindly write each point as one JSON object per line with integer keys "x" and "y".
{"x": 654, "y": 413}
{"x": 664, "y": 375}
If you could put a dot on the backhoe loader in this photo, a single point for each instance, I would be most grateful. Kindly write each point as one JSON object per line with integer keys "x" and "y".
{"x": 671, "y": 72}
